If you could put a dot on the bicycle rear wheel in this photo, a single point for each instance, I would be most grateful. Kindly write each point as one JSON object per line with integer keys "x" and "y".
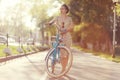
{"x": 57, "y": 64}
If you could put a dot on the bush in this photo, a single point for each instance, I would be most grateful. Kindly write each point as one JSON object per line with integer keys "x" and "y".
{"x": 92, "y": 36}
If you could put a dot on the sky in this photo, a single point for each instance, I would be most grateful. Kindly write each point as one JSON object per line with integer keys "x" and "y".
{"x": 55, "y": 9}
{"x": 7, "y": 5}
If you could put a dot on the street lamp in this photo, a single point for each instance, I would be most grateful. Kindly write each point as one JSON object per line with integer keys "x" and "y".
{"x": 114, "y": 27}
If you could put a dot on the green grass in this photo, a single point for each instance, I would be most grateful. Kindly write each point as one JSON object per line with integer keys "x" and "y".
{"x": 101, "y": 54}
{"x": 1, "y": 50}
{"x": 109, "y": 57}
{"x": 12, "y": 48}
{"x": 15, "y": 52}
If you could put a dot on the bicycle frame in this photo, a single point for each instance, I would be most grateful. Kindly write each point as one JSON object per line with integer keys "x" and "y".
{"x": 55, "y": 45}
{"x": 56, "y": 49}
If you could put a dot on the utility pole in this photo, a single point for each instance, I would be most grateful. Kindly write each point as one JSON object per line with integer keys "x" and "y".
{"x": 114, "y": 27}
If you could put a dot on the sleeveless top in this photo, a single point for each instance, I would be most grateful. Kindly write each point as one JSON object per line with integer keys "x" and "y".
{"x": 67, "y": 39}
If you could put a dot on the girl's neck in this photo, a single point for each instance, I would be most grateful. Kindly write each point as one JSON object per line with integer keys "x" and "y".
{"x": 64, "y": 15}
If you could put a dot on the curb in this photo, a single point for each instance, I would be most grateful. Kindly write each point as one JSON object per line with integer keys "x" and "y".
{"x": 16, "y": 56}
{"x": 3, "y": 59}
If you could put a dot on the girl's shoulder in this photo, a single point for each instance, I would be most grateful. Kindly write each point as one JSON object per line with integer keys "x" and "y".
{"x": 70, "y": 18}
{"x": 56, "y": 17}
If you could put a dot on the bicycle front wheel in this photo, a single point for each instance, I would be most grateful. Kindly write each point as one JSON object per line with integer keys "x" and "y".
{"x": 61, "y": 64}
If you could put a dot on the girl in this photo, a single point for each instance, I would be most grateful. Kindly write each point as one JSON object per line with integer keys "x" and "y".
{"x": 65, "y": 25}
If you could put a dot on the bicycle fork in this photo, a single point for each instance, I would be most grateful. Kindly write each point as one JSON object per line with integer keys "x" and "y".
{"x": 55, "y": 55}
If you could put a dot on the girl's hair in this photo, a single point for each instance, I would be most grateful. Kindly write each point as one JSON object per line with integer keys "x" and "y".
{"x": 66, "y": 7}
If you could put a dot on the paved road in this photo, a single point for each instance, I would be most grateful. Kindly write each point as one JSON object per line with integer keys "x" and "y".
{"x": 85, "y": 67}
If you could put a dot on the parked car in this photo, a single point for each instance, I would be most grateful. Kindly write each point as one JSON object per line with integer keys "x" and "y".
{"x": 11, "y": 40}
{"x": 3, "y": 40}
{"x": 30, "y": 42}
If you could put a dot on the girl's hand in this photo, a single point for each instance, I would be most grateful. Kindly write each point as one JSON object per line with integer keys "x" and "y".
{"x": 63, "y": 31}
{"x": 47, "y": 24}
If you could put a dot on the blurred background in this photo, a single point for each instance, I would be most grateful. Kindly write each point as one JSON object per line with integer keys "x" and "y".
{"x": 97, "y": 23}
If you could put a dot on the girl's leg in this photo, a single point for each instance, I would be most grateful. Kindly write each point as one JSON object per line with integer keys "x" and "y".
{"x": 64, "y": 61}
{"x": 64, "y": 58}
{"x": 64, "y": 54}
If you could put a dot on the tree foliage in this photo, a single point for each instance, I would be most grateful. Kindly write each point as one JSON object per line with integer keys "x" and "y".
{"x": 39, "y": 12}
{"x": 92, "y": 11}
{"x": 12, "y": 22}
{"x": 92, "y": 36}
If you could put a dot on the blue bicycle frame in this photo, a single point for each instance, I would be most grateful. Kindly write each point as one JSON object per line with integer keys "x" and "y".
{"x": 56, "y": 49}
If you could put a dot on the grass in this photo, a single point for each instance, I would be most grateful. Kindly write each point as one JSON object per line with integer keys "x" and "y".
{"x": 101, "y": 54}
{"x": 15, "y": 52}
{"x": 1, "y": 50}
{"x": 12, "y": 48}
{"x": 109, "y": 57}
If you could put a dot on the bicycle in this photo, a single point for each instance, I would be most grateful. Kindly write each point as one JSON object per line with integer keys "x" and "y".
{"x": 53, "y": 58}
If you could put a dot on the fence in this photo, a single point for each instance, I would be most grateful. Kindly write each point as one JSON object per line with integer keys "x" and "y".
{"x": 23, "y": 47}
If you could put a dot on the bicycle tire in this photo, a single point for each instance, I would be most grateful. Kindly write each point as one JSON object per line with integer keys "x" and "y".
{"x": 70, "y": 56}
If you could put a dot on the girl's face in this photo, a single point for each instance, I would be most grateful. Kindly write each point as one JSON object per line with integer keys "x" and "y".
{"x": 63, "y": 10}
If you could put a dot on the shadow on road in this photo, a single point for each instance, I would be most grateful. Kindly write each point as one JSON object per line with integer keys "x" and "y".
{"x": 66, "y": 77}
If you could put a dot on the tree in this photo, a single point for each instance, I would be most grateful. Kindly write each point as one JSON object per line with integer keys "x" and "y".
{"x": 39, "y": 13}
{"x": 13, "y": 22}
{"x": 92, "y": 11}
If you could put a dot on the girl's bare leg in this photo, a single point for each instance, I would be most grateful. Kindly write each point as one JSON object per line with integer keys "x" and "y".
{"x": 64, "y": 59}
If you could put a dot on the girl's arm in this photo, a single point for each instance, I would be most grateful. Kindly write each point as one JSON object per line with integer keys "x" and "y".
{"x": 71, "y": 26}
{"x": 51, "y": 22}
